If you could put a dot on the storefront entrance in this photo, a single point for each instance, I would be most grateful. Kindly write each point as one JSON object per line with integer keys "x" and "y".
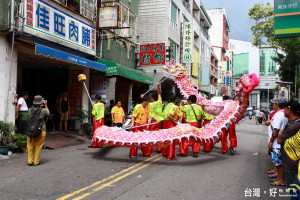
{"x": 40, "y": 75}
{"x": 48, "y": 82}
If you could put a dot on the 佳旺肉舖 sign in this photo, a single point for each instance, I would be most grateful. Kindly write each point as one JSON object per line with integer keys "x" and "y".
{"x": 49, "y": 22}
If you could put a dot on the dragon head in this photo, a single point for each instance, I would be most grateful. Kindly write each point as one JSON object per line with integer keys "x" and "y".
{"x": 175, "y": 70}
{"x": 247, "y": 83}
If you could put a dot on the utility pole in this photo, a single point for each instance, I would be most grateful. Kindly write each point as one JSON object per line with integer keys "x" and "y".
{"x": 267, "y": 85}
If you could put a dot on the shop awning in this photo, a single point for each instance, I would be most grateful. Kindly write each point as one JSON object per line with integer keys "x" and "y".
{"x": 114, "y": 68}
{"x": 64, "y": 56}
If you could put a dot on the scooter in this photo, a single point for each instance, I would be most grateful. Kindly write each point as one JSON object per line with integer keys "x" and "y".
{"x": 127, "y": 123}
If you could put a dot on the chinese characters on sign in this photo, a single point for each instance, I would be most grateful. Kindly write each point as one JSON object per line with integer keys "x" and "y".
{"x": 45, "y": 20}
{"x": 225, "y": 81}
{"x": 188, "y": 38}
{"x": 108, "y": 16}
{"x": 287, "y": 6}
{"x": 152, "y": 54}
{"x": 273, "y": 192}
{"x": 286, "y": 18}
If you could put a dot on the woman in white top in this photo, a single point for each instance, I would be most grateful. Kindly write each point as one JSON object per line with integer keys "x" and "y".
{"x": 20, "y": 109}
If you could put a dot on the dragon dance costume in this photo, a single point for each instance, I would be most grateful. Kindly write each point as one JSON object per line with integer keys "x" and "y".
{"x": 226, "y": 112}
{"x": 175, "y": 112}
{"x": 141, "y": 114}
{"x": 156, "y": 109}
{"x": 192, "y": 120}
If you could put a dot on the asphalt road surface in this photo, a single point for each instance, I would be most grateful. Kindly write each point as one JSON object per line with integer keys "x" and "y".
{"x": 78, "y": 172}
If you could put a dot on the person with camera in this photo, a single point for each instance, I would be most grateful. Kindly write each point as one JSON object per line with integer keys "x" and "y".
{"x": 35, "y": 144}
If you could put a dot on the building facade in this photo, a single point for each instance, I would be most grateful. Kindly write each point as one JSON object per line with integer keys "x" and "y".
{"x": 164, "y": 22}
{"x": 208, "y": 65}
{"x": 249, "y": 59}
{"x": 118, "y": 51}
{"x": 219, "y": 36}
{"x": 119, "y": 45}
{"x": 51, "y": 42}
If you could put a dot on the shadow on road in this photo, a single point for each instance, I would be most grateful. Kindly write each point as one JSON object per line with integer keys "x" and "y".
{"x": 203, "y": 158}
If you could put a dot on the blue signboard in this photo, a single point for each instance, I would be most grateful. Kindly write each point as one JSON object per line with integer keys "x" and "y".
{"x": 60, "y": 55}
{"x": 225, "y": 82}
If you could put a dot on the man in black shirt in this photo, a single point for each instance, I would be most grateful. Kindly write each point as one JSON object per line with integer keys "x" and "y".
{"x": 292, "y": 112}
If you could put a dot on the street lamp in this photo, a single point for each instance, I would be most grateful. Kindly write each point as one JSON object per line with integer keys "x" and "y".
{"x": 267, "y": 85}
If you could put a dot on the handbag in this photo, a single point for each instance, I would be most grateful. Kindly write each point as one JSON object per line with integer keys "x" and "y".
{"x": 198, "y": 121}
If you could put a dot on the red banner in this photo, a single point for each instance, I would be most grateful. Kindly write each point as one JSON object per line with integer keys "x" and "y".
{"x": 152, "y": 54}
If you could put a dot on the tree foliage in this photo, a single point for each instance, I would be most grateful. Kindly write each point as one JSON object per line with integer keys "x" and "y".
{"x": 263, "y": 30}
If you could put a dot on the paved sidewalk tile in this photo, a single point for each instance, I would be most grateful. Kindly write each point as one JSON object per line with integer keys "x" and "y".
{"x": 60, "y": 140}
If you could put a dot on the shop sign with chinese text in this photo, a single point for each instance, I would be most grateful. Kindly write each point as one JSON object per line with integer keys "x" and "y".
{"x": 286, "y": 18}
{"x": 225, "y": 81}
{"x": 49, "y": 22}
{"x": 152, "y": 54}
{"x": 188, "y": 38}
{"x": 108, "y": 16}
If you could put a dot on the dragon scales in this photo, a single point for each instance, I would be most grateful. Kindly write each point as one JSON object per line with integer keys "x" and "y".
{"x": 228, "y": 110}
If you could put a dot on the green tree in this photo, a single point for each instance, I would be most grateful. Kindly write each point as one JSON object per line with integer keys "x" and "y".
{"x": 263, "y": 30}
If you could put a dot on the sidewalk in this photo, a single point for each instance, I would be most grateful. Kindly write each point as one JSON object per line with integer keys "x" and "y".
{"x": 56, "y": 140}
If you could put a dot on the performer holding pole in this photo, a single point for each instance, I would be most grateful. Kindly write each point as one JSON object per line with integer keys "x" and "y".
{"x": 194, "y": 115}
{"x": 171, "y": 115}
{"x": 98, "y": 114}
{"x": 140, "y": 115}
{"x": 82, "y": 78}
{"x": 156, "y": 108}
{"x": 142, "y": 95}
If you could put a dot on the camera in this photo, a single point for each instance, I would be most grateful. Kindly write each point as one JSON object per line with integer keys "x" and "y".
{"x": 44, "y": 101}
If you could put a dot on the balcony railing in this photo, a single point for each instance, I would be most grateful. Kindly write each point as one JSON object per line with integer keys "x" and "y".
{"x": 186, "y": 5}
{"x": 196, "y": 18}
{"x": 204, "y": 31}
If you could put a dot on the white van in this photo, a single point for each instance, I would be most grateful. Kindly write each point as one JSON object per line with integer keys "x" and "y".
{"x": 217, "y": 99}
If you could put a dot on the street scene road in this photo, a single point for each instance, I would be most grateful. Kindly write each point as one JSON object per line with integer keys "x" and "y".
{"x": 79, "y": 172}
{"x": 88, "y": 87}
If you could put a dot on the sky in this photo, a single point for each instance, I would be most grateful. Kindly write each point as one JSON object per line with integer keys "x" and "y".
{"x": 236, "y": 11}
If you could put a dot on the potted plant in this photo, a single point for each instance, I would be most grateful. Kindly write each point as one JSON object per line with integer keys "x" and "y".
{"x": 20, "y": 141}
{"x": 83, "y": 117}
{"x": 6, "y": 129}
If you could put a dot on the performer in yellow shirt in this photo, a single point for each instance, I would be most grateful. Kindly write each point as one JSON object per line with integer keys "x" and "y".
{"x": 191, "y": 110}
{"x": 117, "y": 115}
{"x": 98, "y": 114}
{"x": 171, "y": 116}
{"x": 140, "y": 115}
{"x": 156, "y": 108}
